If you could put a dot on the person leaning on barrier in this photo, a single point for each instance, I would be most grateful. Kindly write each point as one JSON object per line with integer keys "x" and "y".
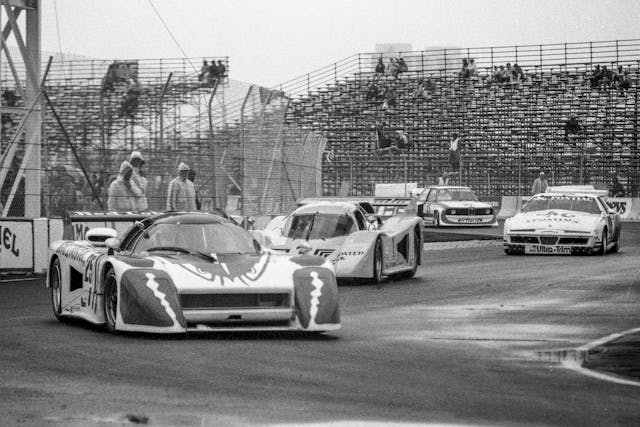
{"x": 181, "y": 195}
{"x": 137, "y": 161}
{"x": 123, "y": 193}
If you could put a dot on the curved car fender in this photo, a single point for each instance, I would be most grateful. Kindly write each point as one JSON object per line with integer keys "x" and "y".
{"x": 355, "y": 257}
{"x": 316, "y": 294}
{"x": 148, "y": 302}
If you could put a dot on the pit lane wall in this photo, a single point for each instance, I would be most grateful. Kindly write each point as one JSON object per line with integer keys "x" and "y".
{"x": 627, "y": 207}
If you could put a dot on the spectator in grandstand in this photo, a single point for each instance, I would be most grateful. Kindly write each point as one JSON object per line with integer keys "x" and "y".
{"x": 191, "y": 176}
{"x": 397, "y": 66}
{"x": 540, "y": 184}
{"x": 616, "y": 189}
{"x": 402, "y": 140}
{"x": 181, "y": 195}
{"x": 390, "y": 99}
{"x": 380, "y": 66}
{"x": 518, "y": 74}
{"x": 596, "y": 76}
{"x": 109, "y": 78}
{"x": 130, "y": 98}
{"x": 137, "y": 161}
{"x": 222, "y": 69}
{"x": 123, "y": 193}
{"x": 571, "y": 127}
{"x": 504, "y": 76}
{"x": 373, "y": 93}
{"x": 423, "y": 90}
{"x": 11, "y": 99}
{"x": 464, "y": 71}
{"x": 621, "y": 80}
{"x": 454, "y": 152}
{"x": 203, "y": 70}
{"x": 472, "y": 68}
{"x": 495, "y": 75}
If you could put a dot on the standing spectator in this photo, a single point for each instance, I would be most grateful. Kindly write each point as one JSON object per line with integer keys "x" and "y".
{"x": 464, "y": 71}
{"x": 539, "y": 185}
{"x": 504, "y": 74}
{"x": 222, "y": 69}
{"x": 123, "y": 193}
{"x": 203, "y": 70}
{"x": 181, "y": 195}
{"x": 191, "y": 176}
{"x": 472, "y": 68}
{"x": 616, "y": 189}
{"x": 518, "y": 74}
{"x": 137, "y": 161}
{"x": 454, "y": 152}
{"x": 380, "y": 66}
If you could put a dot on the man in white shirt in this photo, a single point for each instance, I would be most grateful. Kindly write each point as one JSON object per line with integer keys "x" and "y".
{"x": 181, "y": 195}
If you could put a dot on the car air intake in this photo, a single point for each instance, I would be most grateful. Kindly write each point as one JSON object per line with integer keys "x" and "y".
{"x": 548, "y": 240}
{"x": 226, "y": 301}
{"x": 524, "y": 239}
{"x": 573, "y": 241}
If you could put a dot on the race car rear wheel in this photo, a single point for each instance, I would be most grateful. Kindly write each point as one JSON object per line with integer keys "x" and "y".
{"x": 436, "y": 219}
{"x": 110, "y": 300}
{"x": 377, "y": 262}
{"x": 55, "y": 281}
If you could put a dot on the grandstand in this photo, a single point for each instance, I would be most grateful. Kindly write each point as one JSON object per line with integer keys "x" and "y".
{"x": 257, "y": 150}
{"x": 510, "y": 130}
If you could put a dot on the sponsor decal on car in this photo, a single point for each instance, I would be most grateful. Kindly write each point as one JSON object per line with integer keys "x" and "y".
{"x": 547, "y": 250}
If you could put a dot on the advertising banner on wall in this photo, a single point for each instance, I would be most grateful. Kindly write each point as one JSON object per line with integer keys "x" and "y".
{"x": 16, "y": 245}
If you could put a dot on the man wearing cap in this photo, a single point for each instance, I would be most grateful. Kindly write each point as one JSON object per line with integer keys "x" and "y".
{"x": 137, "y": 161}
{"x": 123, "y": 192}
{"x": 539, "y": 185}
{"x": 182, "y": 194}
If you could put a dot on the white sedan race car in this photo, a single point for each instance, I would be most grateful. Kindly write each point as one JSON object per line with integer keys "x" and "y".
{"x": 179, "y": 272}
{"x": 358, "y": 246}
{"x": 563, "y": 224}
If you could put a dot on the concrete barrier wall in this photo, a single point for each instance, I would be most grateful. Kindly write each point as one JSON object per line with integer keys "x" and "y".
{"x": 24, "y": 243}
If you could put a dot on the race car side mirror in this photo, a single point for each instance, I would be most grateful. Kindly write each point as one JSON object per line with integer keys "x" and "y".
{"x": 113, "y": 244}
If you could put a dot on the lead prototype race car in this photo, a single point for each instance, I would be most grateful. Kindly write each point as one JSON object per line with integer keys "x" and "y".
{"x": 179, "y": 272}
{"x": 359, "y": 245}
{"x": 563, "y": 222}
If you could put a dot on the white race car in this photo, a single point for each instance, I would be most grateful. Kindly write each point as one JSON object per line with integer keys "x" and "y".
{"x": 563, "y": 223}
{"x": 358, "y": 245}
{"x": 180, "y": 272}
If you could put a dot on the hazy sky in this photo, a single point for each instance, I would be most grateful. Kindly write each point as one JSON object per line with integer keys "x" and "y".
{"x": 271, "y": 41}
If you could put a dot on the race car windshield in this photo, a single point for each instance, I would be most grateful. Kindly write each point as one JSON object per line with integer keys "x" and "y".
{"x": 218, "y": 238}
{"x": 577, "y": 204}
{"x": 457, "y": 196}
{"x": 319, "y": 226}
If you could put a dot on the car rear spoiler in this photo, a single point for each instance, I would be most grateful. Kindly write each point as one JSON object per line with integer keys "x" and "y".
{"x": 77, "y": 223}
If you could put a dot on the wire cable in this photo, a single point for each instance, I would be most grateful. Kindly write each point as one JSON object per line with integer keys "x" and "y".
{"x": 55, "y": 9}
{"x": 171, "y": 34}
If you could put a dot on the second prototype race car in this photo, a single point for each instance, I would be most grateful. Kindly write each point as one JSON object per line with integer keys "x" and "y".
{"x": 563, "y": 223}
{"x": 357, "y": 244}
{"x": 446, "y": 206}
{"x": 179, "y": 272}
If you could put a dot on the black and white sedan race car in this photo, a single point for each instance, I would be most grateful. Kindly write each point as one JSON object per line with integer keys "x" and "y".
{"x": 447, "y": 206}
{"x": 179, "y": 272}
{"x": 563, "y": 223}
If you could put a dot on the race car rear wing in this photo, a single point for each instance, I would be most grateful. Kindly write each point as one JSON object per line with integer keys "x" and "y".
{"x": 77, "y": 223}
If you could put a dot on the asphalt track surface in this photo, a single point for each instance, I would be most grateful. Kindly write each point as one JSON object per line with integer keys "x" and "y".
{"x": 476, "y": 338}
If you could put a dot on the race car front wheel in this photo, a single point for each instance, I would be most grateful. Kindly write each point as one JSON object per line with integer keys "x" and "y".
{"x": 110, "y": 300}
{"x": 377, "y": 262}
{"x": 55, "y": 281}
{"x": 603, "y": 239}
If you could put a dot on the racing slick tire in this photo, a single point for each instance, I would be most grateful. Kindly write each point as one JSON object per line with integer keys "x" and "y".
{"x": 55, "y": 281}
{"x": 508, "y": 251}
{"x": 616, "y": 247}
{"x": 377, "y": 262}
{"x": 110, "y": 301}
{"x": 603, "y": 248}
{"x": 416, "y": 255}
{"x": 436, "y": 219}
